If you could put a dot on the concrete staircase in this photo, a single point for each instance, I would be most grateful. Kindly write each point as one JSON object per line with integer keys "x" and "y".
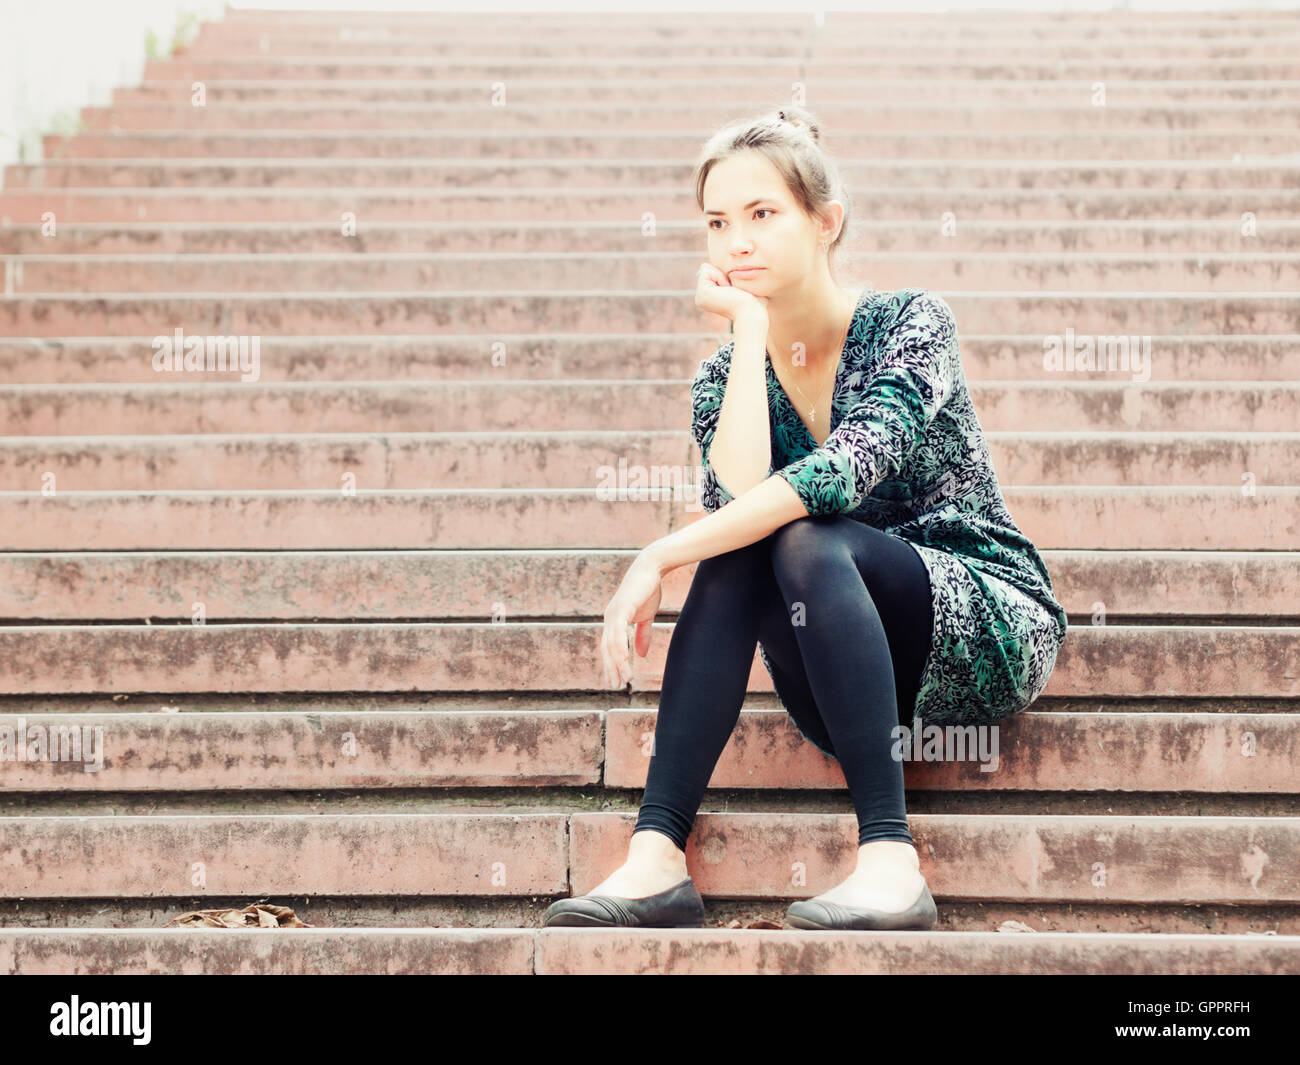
{"x": 336, "y": 623}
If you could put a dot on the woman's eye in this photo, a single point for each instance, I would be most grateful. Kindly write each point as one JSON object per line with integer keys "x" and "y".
{"x": 761, "y": 210}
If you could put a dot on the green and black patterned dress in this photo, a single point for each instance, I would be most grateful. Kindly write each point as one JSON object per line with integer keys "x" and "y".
{"x": 907, "y": 455}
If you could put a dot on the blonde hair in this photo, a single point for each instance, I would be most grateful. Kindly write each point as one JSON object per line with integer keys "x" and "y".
{"x": 790, "y": 139}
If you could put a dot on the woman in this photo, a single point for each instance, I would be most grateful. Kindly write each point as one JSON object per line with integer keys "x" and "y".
{"x": 856, "y": 533}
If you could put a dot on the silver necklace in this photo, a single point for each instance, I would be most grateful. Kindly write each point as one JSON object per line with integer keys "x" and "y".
{"x": 812, "y": 410}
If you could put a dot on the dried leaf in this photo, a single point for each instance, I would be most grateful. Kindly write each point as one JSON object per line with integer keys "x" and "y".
{"x": 753, "y": 922}
{"x": 256, "y": 915}
{"x": 1015, "y": 926}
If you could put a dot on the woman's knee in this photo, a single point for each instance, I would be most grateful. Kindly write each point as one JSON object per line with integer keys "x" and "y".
{"x": 808, "y": 549}
{"x": 743, "y": 566}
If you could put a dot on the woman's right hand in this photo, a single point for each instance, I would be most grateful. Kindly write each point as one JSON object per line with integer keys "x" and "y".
{"x": 716, "y": 294}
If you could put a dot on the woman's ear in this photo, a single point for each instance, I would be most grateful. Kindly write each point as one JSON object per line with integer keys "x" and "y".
{"x": 831, "y": 220}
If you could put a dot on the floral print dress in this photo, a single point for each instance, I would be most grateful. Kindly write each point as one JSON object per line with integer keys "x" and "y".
{"x": 907, "y": 455}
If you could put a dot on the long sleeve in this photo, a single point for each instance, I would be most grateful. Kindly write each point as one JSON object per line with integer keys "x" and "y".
{"x": 914, "y": 375}
{"x": 707, "y": 390}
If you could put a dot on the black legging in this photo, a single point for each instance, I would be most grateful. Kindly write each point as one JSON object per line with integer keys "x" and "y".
{"x": 843, "y": 610}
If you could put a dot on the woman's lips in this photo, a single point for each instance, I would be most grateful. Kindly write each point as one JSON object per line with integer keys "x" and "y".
{"x": 744, "y": 272}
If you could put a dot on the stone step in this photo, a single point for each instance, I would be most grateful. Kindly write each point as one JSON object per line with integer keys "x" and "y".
{"x": 1220, "y": 21}
{"x": 1130, "y": 661}
{"x": 784, "y": 67}
{"x": 147, "y": 752}
{"x": 613, "y": 174}
{"x": 830, "y": 47}
{"x": 1267, "y": 361}
{"x": 779, "y": 855}
{"x": 992, "y": 91}
{"x": 834, "y": 36}
{"x": 193, "y": 205}
{"x": 446, "y": 585}
{"x": 494, "y": 314}
{"x": 1138, "y": 115}
{"x": 1091, "y": 272}
{"x": 574, "y": 459}
{"x": 556, "y": 951}
{"x": 1078, "y": 402}
{"x": 890, "y": 237}
{"x": 818, "y": 45}
{"x": 1181, "y": 517}
{"x": 1043, "y": 146}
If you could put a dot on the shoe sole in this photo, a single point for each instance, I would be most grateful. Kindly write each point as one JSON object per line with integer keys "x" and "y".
{"x": 796, "y": 921}
{"x": 921, "y": 916}
{"x": 679, "y": 906}
{"x": 582, "y": 920}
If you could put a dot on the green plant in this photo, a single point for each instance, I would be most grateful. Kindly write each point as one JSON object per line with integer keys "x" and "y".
{"x": 187, "y": 28}
{"x": 66, "y": 122}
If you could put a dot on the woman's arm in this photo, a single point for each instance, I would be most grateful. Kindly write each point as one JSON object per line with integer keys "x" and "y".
{"x": 748, "y": 518}
{"x": 730, "y": 414}
{"x": 743, "y": 521}
{"x": 731, "y": 425}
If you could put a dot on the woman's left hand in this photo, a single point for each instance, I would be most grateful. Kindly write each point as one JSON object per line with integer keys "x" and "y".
{"x": 635, "y": 603}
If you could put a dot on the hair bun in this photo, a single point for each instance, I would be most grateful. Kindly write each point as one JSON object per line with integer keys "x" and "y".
{"x": 799, "y": 121}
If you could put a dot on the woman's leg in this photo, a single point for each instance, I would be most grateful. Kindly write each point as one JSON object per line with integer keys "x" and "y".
{"x": 865, "y": 639}
{"x": 706, "y": 674}
{"x": 733, "y": 599}
{"x": 859, "y": 615}
{"x": 845, "y": 582}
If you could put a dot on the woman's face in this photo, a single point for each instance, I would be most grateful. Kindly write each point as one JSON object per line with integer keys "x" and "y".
{"x": 752, "y": 220}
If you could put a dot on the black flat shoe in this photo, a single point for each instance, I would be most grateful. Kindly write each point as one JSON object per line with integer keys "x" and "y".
{"x": 809, "y": 913}
{"x": 678, "y": 907}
